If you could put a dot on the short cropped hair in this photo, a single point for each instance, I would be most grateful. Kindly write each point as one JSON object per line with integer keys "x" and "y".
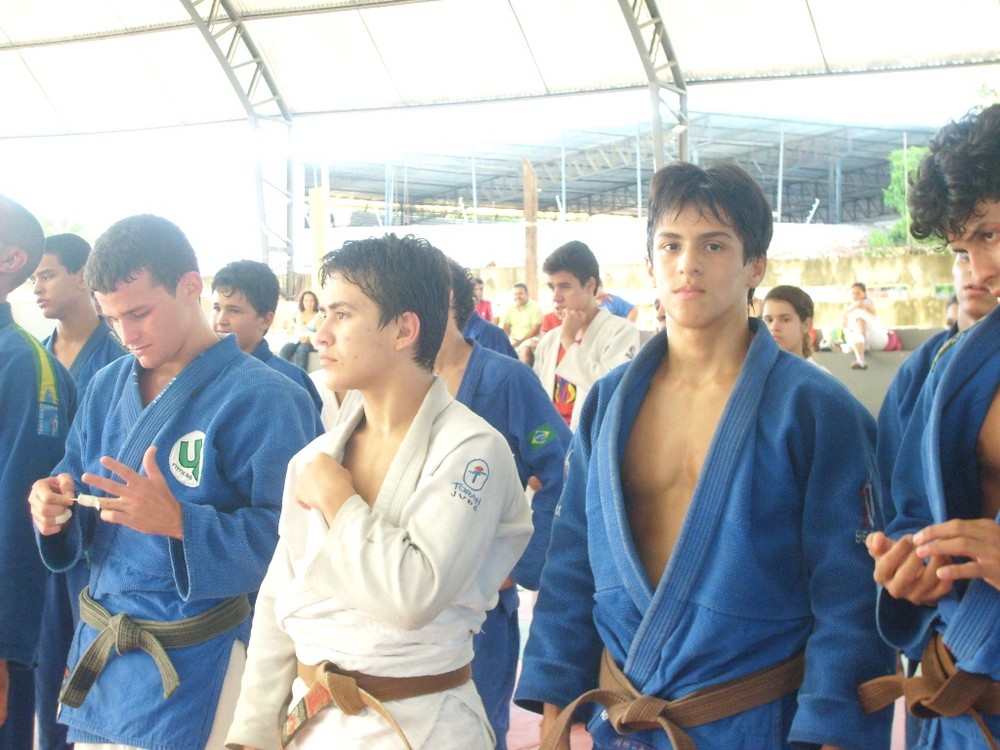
{"x": 576, "y": 258}
{"x": 725, "y": 190}
{"x": 960, "y": 170}
{"x": 860, "y": 285}
{"x": 477, "y": 280}
{"x": 399, "y": 274}
{"x": 71, "y": 250}
{"x": 19, "y": 228}
{"x": 520, "y": 285}
{"x": 462, "y": 291}
{"x": 254, "y": 280}
{"x": 140, "y": 243}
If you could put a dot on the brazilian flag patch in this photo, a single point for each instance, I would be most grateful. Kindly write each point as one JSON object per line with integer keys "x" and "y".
{"x": 541, "y": 436}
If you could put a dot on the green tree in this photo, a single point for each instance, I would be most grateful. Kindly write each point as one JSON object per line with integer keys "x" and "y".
{"x": 902, "y": 163}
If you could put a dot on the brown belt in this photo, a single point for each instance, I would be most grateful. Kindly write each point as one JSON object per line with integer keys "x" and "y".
{"x": 940, "y": 690}
{"x": 631, "y": 711}
{"x": 352, "y": 692}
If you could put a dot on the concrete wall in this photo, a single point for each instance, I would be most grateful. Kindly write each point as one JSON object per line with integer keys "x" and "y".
{"x": 907, "y": 289}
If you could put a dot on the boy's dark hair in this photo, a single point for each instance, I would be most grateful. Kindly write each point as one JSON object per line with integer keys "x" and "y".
{"x": 255, "y": 280}
{"x": 136, "y": 244}
{"x": 961, "y": 169}
{"x": 860, "y": 285}
{"x": 399, "y": 275}
{"x": 576, "y": 258}
{"x": 71, "y": 250}
{"x": 477, "y": 280}
{"x": 462, "y": 291}
{"x": 725, "y": 191}
{"x": 19, "y": 228}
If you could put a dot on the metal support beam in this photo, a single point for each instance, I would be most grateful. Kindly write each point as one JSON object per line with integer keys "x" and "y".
{"x": 663, "y": 73}
{"x": 226, "y": 35}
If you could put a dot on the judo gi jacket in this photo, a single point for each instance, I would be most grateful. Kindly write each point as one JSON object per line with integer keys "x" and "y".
{"x": 225, "y": 429}
{"x": 770, "y": 560}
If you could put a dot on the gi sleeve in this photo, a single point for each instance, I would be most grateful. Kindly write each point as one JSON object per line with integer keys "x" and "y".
{"x": 835, "y": 455}
{"x": 562, "y": 656}
{"x": 270, "y": 668}
{"x": 585, "y": 365}
{"x": 226, "y": 553}
{"x": 539, "y": 438}
{"x": 453, "y": 533}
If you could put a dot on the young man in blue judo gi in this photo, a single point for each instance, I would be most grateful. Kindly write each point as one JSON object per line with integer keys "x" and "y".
{"x": 181, "y": 451}
{"x": 84, "y": 343}
{"x": 975, "y": 302}
{"x": 939, "y": 561}
{"x": 399, "y": 526}
{"x": 710, "y": 535}
{"x": 244, "y": 297}
{"x": 37, "y": 403}
{"x": 507, "y": 394}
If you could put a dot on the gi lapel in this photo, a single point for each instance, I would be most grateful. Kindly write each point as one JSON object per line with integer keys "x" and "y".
{"x": 722, "y": 478}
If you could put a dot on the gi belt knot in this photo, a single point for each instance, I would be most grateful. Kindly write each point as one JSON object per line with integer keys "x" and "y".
{"x": 124, "y": 634}
{"x": 645, "y": 712}
{"x": 128, "y": 635}
{"x": 343, "y": 690}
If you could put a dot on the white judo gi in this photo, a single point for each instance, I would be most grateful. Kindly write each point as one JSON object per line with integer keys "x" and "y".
{"x": 609, "y": 341}
{"x": 396, "y": 589}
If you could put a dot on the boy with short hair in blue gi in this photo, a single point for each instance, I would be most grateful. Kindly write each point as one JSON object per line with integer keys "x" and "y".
{"x": 244, "y": 298}
{"x": 181, "y": 450}
{"x": 37, "y": 402}
{"x": 939, "y": 561}
{"x": 710, "y": 535}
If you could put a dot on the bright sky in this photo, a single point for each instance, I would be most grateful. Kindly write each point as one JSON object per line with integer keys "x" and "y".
{"x": 202, "y": 177}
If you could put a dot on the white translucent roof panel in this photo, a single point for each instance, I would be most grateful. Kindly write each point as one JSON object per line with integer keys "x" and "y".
{"x": 29, "y": 21}
{"x": 122, "y": 83}
{"x": 85, "y": 65}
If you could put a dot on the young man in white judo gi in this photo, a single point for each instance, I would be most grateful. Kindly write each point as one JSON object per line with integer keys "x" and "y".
{"x": 590, "y": 343}
{"x": 185, "y": 444}
{"x": 398, "y": 528}
{"x": 939, "y": 561}
{"x": 708, "y": 550}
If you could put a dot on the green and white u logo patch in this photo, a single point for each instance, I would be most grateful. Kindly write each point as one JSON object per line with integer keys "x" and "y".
{"x": 186, "y": 458}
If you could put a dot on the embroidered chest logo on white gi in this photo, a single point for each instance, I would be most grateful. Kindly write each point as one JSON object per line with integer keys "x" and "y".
{"x": 187, "y": 457}
{"x": 477, "y": 473}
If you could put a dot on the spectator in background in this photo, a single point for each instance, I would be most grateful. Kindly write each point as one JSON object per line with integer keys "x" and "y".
{"x": 302, "y": 330}
{"x": 862, "y": 328}
{"x": 523, "y": 319}
{"x": 484, "y": 308}
{"x": 951, "y": 312}
{"x": 788, "y": 314}
{"x": 615, "y": 305}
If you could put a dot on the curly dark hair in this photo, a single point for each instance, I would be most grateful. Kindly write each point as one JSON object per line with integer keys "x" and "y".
{"x": 961, "y": 170}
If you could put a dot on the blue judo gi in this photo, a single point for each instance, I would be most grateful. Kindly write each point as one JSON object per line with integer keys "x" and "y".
{"x": 936, "y": 478}
{"x": 488, "y": 335}
{"x": 508, "y": 395}
{"x": 63, "y": 589}
{"x": 770, "y": 561}
{"x": 37, "y": 403}
{"x": 897, "y": 406}
{"x": 290, "y": 370}
{"x": 225, "y": 429}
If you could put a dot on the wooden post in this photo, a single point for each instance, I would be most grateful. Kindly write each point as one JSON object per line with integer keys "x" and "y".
{"x": 530, "y": 229}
